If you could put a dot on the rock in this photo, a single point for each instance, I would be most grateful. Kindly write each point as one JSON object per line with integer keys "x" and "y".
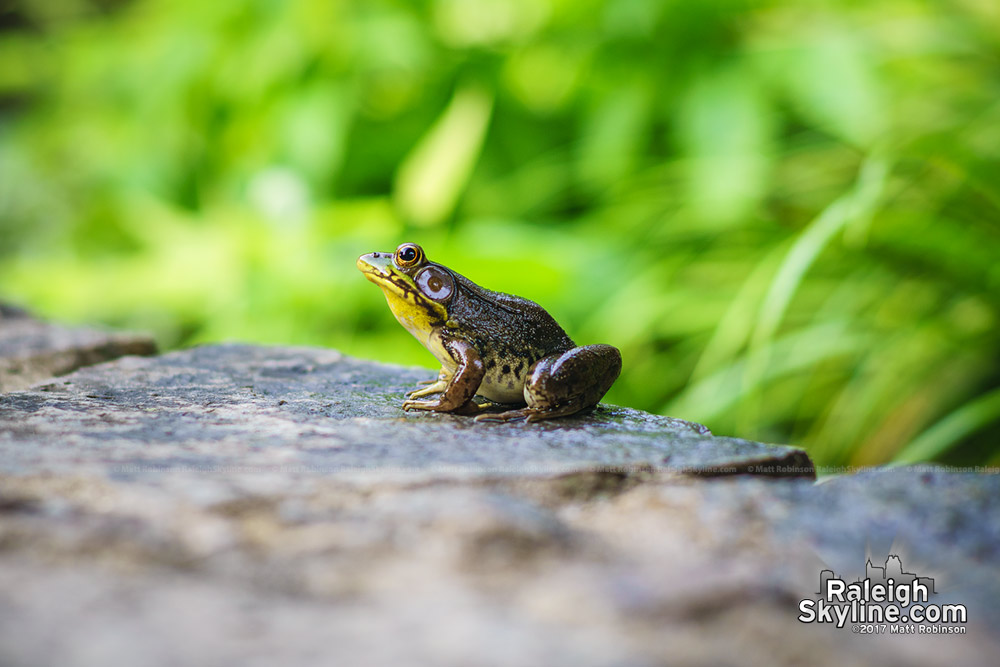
{"x": 246, "y": 505}
{"x": 32, "y": 350}
{"x": 315, "y": 411}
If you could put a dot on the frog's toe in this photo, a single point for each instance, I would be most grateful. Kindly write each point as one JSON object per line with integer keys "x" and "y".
{"x": 419, "y": 393}
{"x": 419, "y": 405}
{"x": 436, "y": 387}
{"x": 540, "y": 414}
{"x": 507, "y": 416}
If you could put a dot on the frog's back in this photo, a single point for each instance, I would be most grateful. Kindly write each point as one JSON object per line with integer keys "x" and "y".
{"x": 498, "y": 318}
{"x": 511, "y": 333}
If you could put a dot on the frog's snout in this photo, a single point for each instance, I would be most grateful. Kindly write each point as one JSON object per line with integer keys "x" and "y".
{"x": 375, "y": 262}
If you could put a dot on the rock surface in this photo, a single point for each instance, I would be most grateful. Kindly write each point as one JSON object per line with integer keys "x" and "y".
{"x": 246, "y": 505}
{"x": 317, "y": 411}
{"x": 32, "y": 350}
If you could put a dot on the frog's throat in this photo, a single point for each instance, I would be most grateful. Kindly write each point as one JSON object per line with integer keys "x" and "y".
{"x": 418, "y": 314}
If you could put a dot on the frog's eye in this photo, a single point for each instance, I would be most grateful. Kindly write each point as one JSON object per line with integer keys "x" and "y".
{"x": 408, "y": 254}
{"x": 436, "y": 283}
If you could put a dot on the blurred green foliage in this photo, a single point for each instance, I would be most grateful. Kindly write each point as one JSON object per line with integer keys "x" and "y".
{"x": 786, "y": 214}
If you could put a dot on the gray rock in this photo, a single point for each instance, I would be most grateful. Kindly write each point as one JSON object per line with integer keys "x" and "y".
{"x": 245, "y": 505}
{"x": 32, "y": 350}
{"x": 316, "y": 411}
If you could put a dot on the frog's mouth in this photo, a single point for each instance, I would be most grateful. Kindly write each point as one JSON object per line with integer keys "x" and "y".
{"x": 379, "y": 269}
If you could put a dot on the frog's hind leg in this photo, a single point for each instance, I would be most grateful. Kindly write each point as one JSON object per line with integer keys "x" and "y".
{"x": 565, "y": 384}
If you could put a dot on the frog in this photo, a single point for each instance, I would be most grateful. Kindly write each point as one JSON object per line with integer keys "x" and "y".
{"x": 503, "y": 348}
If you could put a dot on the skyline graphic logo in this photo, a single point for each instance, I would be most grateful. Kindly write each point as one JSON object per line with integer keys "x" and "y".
{"x": 887, "y": 600}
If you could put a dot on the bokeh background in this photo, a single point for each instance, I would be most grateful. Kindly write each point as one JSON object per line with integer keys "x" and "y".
{"x": 786, "y": 214}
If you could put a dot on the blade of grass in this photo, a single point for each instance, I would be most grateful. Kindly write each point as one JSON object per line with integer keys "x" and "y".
{"x": 859, "y": 202}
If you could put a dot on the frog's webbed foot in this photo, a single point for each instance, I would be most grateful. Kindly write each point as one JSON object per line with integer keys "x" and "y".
{"x": 506, "y": 416}
{"x": 530, "y": 414}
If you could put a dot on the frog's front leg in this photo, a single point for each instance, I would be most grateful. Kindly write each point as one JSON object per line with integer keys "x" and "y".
{"x": 567, "y": 383}
{"x": 461, "y": 386}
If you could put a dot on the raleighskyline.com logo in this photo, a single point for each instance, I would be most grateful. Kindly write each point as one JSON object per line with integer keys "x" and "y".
{"x": 887, "y": 601}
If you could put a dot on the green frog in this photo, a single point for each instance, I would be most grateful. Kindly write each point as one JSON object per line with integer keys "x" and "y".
{"x": 499, "y": 346}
